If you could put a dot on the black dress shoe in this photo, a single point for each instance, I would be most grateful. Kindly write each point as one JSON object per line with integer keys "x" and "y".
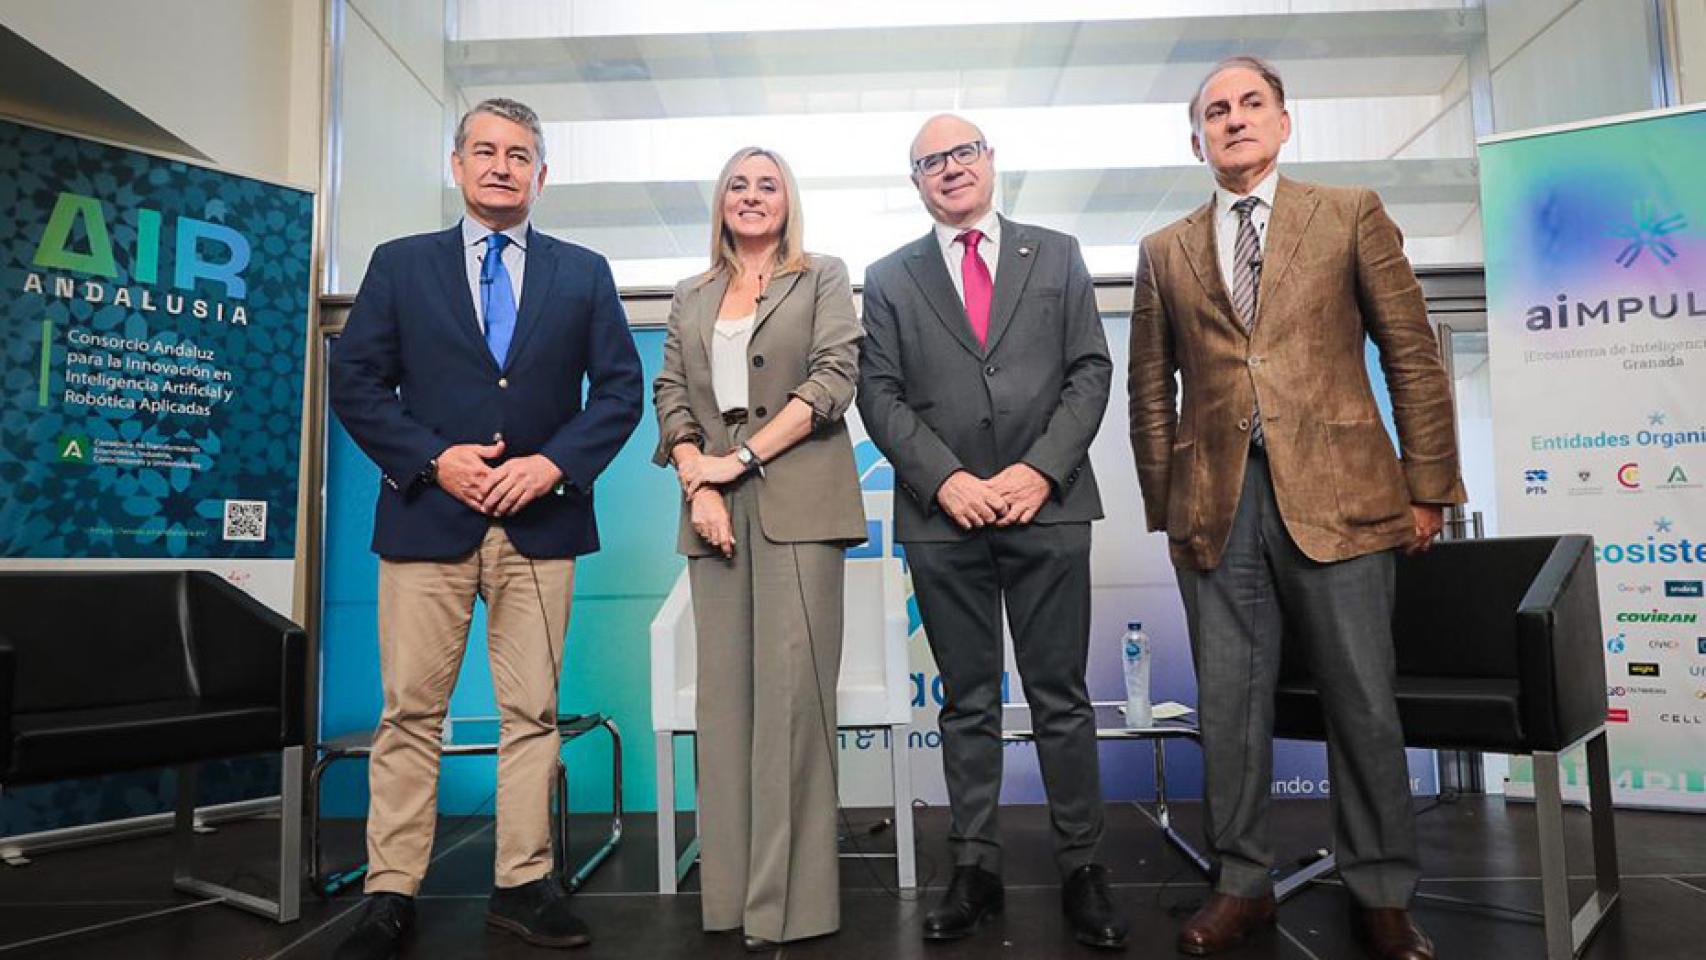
{"x": 388, "y": 920}
{"x": 1090, "y": 908}
{"x": 973, "y": 895}
{"x": 759, "y": 945}
{"x": 537, "y": 912}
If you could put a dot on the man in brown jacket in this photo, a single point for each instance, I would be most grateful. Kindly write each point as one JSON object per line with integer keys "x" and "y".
{"x": 1280, "y": 492}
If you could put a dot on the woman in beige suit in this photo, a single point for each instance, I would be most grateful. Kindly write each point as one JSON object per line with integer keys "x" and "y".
{"x": 759, "y": 367}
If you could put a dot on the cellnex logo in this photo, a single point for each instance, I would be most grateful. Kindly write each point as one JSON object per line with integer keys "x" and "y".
{"x": 1656, "y": 616}
{"x": 204, "y": 251}
{"x": 1684, "y": 588}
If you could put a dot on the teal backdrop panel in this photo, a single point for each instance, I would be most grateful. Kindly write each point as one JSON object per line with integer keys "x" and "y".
{"x": 607, "y": 664}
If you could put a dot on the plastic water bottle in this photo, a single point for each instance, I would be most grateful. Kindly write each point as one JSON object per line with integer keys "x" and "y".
{"x": 1136, "y": 653}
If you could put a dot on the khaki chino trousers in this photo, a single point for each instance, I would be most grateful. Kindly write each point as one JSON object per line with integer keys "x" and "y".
{"x": 769, "y": 624}
{"x": 425, "y": 607}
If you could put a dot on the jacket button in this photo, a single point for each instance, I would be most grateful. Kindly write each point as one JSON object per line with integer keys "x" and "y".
{"x": 759, "y": 412}
{"x": 1255, "y": 361}
{"x": 503, "y": 383}
{"x": 1244, "y": 423}
{"x": 497, "y": 436}
{"x": 758, "y": 361}
{"x": 989, "y": 370}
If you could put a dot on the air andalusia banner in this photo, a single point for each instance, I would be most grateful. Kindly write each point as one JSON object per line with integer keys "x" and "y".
{"x": 155, "y": 315}
{"x": 1596, "y": 298}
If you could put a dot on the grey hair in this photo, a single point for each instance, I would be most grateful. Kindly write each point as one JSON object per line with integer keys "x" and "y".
{"x": 512, "y": 110}
{"x": 1263, "y": 68}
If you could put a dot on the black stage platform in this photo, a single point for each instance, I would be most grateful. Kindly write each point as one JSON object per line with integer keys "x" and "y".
{"x": 1477, "y": 848}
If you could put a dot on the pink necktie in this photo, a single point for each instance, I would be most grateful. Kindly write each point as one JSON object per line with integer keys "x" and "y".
{"x": 974, "y": 277}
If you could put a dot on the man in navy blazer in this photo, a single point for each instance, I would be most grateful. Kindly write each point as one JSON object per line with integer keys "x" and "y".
{"x": 461, "y": 373}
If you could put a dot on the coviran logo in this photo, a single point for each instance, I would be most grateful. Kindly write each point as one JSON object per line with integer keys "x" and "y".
{"x": 136, "y": 289}
{"x": 1656, "y": 616}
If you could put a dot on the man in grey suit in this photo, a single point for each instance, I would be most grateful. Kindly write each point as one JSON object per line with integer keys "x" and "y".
{"x": 983, "y": 378}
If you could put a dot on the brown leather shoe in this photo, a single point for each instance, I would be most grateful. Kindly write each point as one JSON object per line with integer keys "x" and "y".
{"x": 1391, "y": 934}
{"x": 1225, "y": 922}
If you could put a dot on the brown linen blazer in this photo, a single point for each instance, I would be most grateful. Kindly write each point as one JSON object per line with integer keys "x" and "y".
{"x": 805, "y": 343}
{"x": 1333, "y": 271}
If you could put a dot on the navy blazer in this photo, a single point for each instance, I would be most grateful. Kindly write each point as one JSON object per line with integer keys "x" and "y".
{"x": 411, "y": 376}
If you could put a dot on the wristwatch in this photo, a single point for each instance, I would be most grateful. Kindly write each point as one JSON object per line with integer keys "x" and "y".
{"x": 748, "y": 459}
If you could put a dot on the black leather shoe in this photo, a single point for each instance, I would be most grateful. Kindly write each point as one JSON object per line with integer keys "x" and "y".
{"x": 759, "y": 945}
{"x": 972, "y": 896}
{"x": 1090, "y": 908}
{"x": 388, "y": 920}
{"x": 537, "y": 912}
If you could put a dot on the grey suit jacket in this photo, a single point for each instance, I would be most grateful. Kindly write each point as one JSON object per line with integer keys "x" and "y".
{"x": 935, "y": 402}
{"x": 805, "y": 344}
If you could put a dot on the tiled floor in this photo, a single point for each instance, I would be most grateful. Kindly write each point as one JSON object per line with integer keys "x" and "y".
{"x": 1477, "y": 849}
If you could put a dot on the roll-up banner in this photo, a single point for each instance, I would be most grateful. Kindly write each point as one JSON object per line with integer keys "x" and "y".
{"x": 156, "y": 314}
{"x": 1596, "y": 337}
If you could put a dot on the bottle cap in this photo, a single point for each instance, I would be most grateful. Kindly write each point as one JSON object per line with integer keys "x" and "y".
{"x": 1134, "y": 625}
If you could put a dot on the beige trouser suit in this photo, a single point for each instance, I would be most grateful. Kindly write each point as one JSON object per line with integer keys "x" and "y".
{"x": 769, "y": 619}
{"x": 425, "y": 607}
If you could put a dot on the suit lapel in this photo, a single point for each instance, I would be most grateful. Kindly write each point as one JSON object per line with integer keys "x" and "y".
{"x": 1204, "y": 258}
{"x": 1294, "y": 207}
{"x": 774, "y": 293}
{"x": 705, "y": 310}
{"x": 535, "y": 290}
{"x": 453, "y": 271}
{"x": 931, "y": 274}
{"x": 1013, "y": 270}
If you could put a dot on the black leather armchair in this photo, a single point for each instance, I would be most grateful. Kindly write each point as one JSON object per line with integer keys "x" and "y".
{"x": 109, "y": 672}
{"x": 1499, "y": 650}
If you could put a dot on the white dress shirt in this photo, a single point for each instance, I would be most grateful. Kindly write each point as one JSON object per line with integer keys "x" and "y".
{"x": 728, "y": 360}
{"x": 1226, "y": 221}
{"x": 474, "y": 234}
{"x": 954, "y": 254}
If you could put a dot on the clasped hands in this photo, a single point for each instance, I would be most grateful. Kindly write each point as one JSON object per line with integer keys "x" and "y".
{"x": 700, "y": 476}
{"x": 466, "y": 473}
{"x": 1010, "y": 498}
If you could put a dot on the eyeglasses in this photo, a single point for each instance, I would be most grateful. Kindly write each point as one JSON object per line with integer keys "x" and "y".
{"x": 965, "y": 155}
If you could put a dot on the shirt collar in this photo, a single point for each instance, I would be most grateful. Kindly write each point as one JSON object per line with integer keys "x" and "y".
{"x": 1224, "y": 198}
{"x": 475, "y": 233}
{"x": 989, "y": 223}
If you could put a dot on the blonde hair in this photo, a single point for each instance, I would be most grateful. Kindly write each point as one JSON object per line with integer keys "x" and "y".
{"x": 790, "y": 252}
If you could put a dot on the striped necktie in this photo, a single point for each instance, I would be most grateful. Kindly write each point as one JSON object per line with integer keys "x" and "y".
{"x": 1246, "y": 278}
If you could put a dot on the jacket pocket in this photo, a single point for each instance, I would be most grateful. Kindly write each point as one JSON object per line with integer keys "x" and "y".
{"x": 1367, "y": 478}
{"x": 1182, "y": 491}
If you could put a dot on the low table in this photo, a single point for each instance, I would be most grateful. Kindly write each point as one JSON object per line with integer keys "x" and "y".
{"x": 1110, "y": 725}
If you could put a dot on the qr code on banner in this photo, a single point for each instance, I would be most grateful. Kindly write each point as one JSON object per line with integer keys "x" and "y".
{"x": 245, "y": 520}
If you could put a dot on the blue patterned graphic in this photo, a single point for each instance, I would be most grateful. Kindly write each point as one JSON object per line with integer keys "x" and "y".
{"x": 151, "y": 372}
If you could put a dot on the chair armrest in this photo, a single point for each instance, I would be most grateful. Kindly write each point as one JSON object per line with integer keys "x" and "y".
{"x": 246, "y": 653}
{"x": 8, "y": 681}
{"x": 666, "y": 630}
{"x": 1561, "y": 662}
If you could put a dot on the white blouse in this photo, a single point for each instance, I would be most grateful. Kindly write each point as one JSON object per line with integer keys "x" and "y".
{"x": 728, "y": 360}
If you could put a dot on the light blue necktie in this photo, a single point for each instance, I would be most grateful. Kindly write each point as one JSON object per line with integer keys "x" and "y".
{"x": 497, "y": 298}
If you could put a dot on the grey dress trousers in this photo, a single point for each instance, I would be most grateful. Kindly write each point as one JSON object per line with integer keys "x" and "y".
{"x": 769, "y": 619}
